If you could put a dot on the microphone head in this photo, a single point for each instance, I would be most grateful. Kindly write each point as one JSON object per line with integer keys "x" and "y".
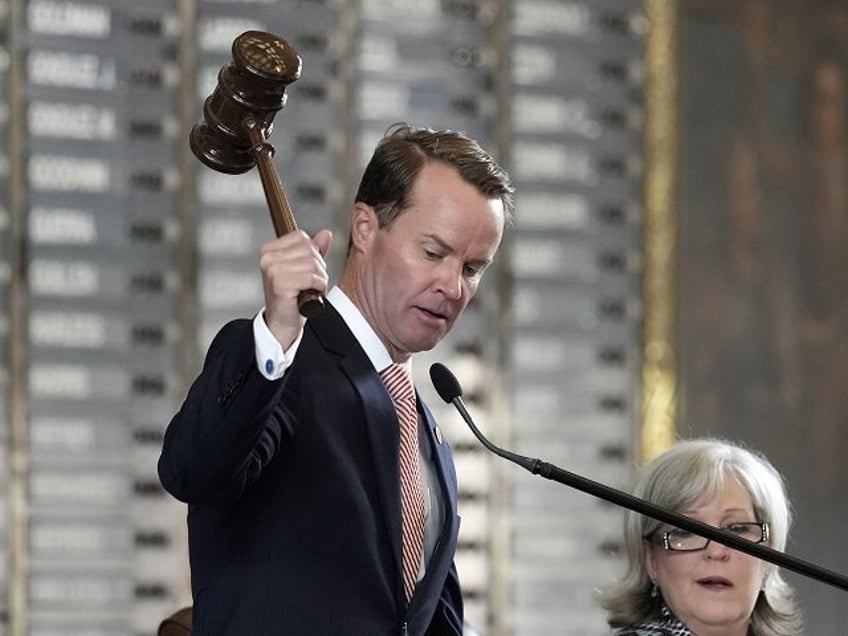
{"x": 445, "y": 383}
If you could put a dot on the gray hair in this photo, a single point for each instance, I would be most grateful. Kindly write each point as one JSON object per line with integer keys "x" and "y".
{"x": 687, "y": 471}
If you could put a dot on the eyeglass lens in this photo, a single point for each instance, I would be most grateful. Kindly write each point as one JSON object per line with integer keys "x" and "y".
{"x": 684, "y": 540}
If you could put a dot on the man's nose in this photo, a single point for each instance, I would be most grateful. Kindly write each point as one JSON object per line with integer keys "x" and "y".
{"x": 450, "y": 280}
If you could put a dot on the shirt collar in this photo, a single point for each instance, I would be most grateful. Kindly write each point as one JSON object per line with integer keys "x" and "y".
{"x": 363, "y": 331}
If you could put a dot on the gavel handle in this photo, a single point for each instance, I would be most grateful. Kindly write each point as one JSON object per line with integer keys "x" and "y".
{"x": 309, "y": 301}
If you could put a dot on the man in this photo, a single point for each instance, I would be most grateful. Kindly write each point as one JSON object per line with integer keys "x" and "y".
{"x": 288, "y": 447}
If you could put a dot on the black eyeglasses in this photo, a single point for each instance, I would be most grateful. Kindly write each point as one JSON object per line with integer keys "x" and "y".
{"x": 677, "y": 540}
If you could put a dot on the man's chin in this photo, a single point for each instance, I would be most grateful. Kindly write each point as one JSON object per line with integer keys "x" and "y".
{"x": 427, "y": 342}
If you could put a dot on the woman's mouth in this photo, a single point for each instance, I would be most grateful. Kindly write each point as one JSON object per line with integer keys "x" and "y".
{"x": 715, "y": 583}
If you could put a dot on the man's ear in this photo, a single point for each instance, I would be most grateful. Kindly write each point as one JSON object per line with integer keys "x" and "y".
{"x": 363, "y": 225}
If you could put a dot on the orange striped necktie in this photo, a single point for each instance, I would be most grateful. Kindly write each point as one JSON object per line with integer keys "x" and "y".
{"x": 399, "y": 385}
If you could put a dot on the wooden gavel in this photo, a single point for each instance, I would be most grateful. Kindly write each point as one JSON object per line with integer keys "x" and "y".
{"x": 238, "y": 119}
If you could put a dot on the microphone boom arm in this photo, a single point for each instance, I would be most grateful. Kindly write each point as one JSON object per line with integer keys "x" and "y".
{"x": 449, "y": 390}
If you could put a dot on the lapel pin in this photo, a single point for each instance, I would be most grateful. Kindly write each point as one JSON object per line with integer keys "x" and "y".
{"x": 438, "y": 433}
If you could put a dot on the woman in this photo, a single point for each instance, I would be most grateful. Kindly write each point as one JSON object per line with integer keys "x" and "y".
{"x": 680, "y": 584}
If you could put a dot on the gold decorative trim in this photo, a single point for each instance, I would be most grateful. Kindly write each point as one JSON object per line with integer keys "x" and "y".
{"x": 659, "y": 231}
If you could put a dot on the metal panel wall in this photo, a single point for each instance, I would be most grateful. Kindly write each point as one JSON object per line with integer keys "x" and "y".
{"x": 100, "y": 84}
{"x": 7, "y": 508}
{"x": 575, "y": 103}
{"x": 122, "y": 255}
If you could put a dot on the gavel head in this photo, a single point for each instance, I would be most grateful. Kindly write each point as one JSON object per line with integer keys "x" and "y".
{"x": 250, "y": 91}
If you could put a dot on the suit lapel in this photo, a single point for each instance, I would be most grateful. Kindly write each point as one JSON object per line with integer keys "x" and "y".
{"x": 444, "y": 477}
{"x": 441, "y": 460}
{"x": 384, "y": 437}
{"x": 383, "y": 433}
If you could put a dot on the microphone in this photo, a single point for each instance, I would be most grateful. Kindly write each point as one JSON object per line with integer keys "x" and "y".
{"x": 449, "y": 389}
{"x": 447, "y": 386}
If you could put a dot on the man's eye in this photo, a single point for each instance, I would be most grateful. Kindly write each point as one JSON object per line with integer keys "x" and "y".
{"x": 472, "y": 271}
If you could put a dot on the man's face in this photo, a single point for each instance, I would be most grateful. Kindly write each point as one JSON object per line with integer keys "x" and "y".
{"x": 414, "y": 278}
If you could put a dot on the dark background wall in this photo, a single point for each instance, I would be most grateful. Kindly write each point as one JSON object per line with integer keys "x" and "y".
{"x": 763, "y": 269}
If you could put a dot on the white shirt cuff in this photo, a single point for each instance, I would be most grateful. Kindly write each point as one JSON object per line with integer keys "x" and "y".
{"x": 271, "y": 360}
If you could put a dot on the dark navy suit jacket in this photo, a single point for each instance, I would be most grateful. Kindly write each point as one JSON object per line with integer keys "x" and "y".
{"x": 293, "y": 491}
